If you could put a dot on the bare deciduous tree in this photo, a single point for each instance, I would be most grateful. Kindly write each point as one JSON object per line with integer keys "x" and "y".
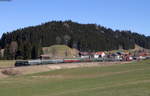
{"x": 58, "y": 40}
{"x": 13, "y": 48}
{"x": 67, "y": 38}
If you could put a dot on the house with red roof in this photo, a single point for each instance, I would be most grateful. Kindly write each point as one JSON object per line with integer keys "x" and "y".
{"x": 99, "y": 54}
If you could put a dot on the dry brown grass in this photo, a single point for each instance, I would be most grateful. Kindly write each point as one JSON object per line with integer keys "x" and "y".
{"x": 7, "y": 63}
{"x": 45, "y": 68}
{"x": 10, "y": 72}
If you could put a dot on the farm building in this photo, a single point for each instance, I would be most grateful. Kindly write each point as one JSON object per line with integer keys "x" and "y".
{"x": 99, "y": 55}
{"x": 116, "y": 56}
{"x": 85, "y": 54}
{"x": 45, "y": 56}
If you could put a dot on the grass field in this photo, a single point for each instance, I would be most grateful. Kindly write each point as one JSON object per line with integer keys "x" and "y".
{"x": 60, "y": 51}
{"x": 7, "y": 63}
{"x": 116, "y": 80}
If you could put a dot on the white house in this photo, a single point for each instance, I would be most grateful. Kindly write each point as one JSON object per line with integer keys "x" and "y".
{"x": 99, "y": 55}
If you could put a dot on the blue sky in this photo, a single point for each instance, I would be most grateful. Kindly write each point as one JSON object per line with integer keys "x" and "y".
{"x": 131, "y": 15}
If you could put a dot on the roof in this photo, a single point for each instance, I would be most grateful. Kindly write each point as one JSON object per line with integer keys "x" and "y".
{"x": 99, "y": 53}
{"x": 120, "y": 53}
{"x": 114, "y": 54}
{"x": 84, "y": 53}
{"x": 45, "y": 55}
{"x": 142, "y": 54}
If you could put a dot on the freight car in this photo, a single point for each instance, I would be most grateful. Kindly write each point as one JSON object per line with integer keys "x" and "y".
{"x": 72, "y": 60}
{"x": 56, "y": 61}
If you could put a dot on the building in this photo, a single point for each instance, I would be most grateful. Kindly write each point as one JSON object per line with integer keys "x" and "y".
{"x": 85, "y": 54}
{"x": 44, "y": 56}
{"x": 99, "y": 55}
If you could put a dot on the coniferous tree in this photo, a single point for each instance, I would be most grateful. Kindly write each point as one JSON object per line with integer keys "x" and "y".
{"x": 84, "y": 37}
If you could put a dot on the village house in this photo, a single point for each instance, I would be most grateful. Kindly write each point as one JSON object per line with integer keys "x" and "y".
{"x": 142, "y": 55}
{"x": 99, "y": 55}
{"x": 45, "y": 56}
{"x": 85, "y": 54}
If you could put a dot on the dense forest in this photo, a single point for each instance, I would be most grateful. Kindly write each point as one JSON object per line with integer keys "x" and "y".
{"x": 27, "y": 43}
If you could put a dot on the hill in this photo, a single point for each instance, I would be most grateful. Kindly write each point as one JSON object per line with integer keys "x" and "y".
{"x": 116, "y": 80}
{"x": 137, "y": 48}
{"x": 60, "y": 51}
{"x": 27, "y": 43}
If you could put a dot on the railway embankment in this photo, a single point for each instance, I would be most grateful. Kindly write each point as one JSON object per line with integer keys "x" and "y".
{"x": 6, "y": 72}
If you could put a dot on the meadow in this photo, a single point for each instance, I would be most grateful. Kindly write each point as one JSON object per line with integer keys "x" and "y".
{"x": 131, "y": 79}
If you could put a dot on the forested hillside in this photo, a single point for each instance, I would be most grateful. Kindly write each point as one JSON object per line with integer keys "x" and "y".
{"x": 27, "y": 43}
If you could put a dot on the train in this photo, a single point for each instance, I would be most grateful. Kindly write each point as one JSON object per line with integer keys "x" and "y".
{"x": 59, "y": 61}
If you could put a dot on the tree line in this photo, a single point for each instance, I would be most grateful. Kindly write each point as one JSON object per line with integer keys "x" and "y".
{"x": 27, "y": 43}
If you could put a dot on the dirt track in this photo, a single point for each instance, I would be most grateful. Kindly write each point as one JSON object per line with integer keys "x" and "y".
{"x": 44, "y": 68}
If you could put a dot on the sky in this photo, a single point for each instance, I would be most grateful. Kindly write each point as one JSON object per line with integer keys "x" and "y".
{"x": 131, "y": 15}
